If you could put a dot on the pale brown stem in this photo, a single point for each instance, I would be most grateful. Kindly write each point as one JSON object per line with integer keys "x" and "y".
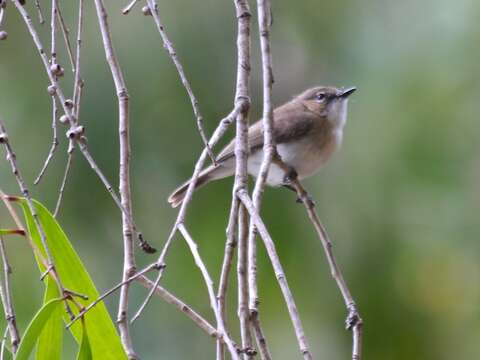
{"x": 68, "y": 166}
{"x": 241, "y": 157}
{"x": 65, "y": 31}
{"x": 168, "y": 45}
{"x": 5, "y": 294}
{"x": 129, "y": 7}
{"x": 243, "y": 313}
{"x": 124, "y": 177}
{"x": 353, "y": 322}
{"x": 230, "y": 246}
{"x": 279, "y": 273}
{"x": 211, "y": 293}
{"x": 217, "y": 135}
{"x": 53, "y": 52}
{"x": 181, "y": 306}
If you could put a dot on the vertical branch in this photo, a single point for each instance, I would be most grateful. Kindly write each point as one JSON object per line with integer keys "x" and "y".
{"x": 6, "y": 296}
{"x": 279, "y": 273}
{"x": 268, "y": 144}
{"x": 242, "y": 95}
{"x": 230, "y": 245}
{"x": 243, "y": 313}
{"x": 124, "y": 177}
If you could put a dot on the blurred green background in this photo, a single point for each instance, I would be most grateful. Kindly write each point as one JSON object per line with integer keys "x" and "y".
{"x": 400, "y": 200}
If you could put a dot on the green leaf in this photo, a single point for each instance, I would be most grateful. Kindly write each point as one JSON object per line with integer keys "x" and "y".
{"x": 104, "y": 340}
{"x": 35, "y": 328}
{"x": 49, "y": 345}
{"x": 85, "y": 352}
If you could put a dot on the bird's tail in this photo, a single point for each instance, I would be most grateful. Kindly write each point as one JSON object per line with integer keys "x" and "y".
{"x": 207, "y": 175}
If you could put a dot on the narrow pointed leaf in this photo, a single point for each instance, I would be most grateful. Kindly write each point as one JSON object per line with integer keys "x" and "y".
{"x": 35, "y": 328}
{"x": 104, "y": 340}
{"x": 85, "y": 352}
{"x": 49, "y": 346}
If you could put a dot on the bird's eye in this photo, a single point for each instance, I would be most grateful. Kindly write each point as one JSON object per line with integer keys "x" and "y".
{"x": 320, "y": 96}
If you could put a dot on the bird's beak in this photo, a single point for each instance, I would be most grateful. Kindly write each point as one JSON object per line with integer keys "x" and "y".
{"x": 347, "y": 92}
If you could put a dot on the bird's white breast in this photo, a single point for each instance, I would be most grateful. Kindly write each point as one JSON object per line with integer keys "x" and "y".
{"x": 306, "y": 155}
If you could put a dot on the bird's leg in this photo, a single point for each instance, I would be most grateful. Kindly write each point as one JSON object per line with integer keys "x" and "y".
{"x": 291, "y": 176}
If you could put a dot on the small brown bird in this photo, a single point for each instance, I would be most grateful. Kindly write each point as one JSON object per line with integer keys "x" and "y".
{"x": 307, "y": 130}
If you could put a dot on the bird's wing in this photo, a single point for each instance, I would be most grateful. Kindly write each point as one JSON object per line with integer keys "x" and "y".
{"x": 291, "y": 121}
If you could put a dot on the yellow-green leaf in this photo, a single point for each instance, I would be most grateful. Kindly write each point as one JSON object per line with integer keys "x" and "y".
{"x": 35, "y": 328}
{"x": 49, "y": 345}
{"x": 104, "y": 340}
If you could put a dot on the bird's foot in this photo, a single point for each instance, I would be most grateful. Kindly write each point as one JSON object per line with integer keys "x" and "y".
{"x": 291, "y": 176}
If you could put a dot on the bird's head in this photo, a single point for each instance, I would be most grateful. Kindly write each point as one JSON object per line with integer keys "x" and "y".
{"x": 327, "y": 101}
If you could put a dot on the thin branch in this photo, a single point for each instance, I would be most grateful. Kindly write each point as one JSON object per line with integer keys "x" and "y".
{"x": 41, "y": 19}
{"x": 243, "y": 313}
{"x": 11, "y": 158}
{"x": 242, "y": 101}
{"x": 353, "y": 322}
{"x": 4, "y": 339}
{"x": 53, "y": 60}
{"x": 279, "y": 273}
{"x": 230, "y": 245}
{"x": 260, "y": 338}
{"x": 269, "y": 147}
{"x": 5, "y": 293}
{"x": 217, "y": 135}
{"x": 184, "y": 308}
{"x": 109, "y": 292}
{"x": 168, "y": 45}
{"x": 68, "y": 166}
{"x": 129, "y": 7}
{"x": 78, "y": 83}
{"x": 211, "y": 293}
{"x": 124, "y": 176}
{"x": 65, "y": 32}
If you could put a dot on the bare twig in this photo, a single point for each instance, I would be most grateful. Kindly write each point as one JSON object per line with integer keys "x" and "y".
{"x": 53, "y": 60}
{"x": 211, "y": 293}
{"x": 124, "y": 184}
{"x": 242, "y": 101}
{"x": 354, "y": 321}
{"x": 109, "y": 292}
{"x": 4, "y": 339}
{"x": 168, "y": 45}
{"x": 5, "y": 293}
{"x": 2, "y": 11}
{"x": 184, "y": 308}
{"x": 243, "y": 313}
{"x": 66, "y": 37}
{"x": 68, "y": 166}
{"x": 260, "y": 338}
{"x": 279, "y": 273}
{"x": 129, "y": 7}
{"x": 230, "y": 245}
{"x": 268, "y": 144}
{"x": 23, "y": 188}
{"x": 41, "y": 20}
{"x": 217, "y": 135}
{"x": 78, "y": 83}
